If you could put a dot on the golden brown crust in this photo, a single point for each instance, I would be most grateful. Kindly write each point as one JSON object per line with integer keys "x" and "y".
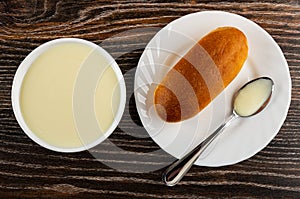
{"x": 201, "y": 74}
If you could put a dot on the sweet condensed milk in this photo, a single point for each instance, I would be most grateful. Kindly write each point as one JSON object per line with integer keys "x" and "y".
{"x": 46, "y": 97}
{"x": 251, "y": 98}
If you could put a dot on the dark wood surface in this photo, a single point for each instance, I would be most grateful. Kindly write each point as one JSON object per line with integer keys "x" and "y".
{"x": 30, "y": 171}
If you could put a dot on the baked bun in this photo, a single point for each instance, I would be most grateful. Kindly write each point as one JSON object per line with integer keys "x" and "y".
{"x": 203, "y": 73}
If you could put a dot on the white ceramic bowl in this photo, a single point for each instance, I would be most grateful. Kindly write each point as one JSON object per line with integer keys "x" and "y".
{"x": 18, "y": 80}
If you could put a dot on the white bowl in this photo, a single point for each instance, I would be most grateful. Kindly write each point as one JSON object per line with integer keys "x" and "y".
{"x": 24, "y": 67}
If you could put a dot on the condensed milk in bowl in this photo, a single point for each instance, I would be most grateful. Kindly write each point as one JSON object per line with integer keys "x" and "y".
{"x": 68, "y": 95}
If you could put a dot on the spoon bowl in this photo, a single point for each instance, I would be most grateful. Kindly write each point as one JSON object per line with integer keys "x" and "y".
{"x": 253, "y": 97}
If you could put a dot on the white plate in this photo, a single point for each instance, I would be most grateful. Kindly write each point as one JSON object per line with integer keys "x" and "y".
{"x": 245, "y": 137}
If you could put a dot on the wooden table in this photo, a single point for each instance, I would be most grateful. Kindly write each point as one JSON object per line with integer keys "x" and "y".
{"x": 30, "y": 171}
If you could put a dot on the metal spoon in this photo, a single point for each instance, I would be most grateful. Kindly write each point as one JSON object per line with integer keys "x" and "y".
{"x": 250, "y": 99}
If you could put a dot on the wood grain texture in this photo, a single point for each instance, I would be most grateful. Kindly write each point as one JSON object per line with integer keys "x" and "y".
{"x": 30, "y": 171}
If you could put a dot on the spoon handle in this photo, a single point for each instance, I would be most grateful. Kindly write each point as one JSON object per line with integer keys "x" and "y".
{"x": 175, "y": 172}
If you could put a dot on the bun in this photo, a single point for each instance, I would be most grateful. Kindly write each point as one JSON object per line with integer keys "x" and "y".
{"x": 203, "y": 73}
